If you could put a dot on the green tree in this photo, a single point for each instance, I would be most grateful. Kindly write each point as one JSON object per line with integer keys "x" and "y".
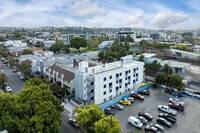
{"x": 35, "y": 109}
{"x": 88, "y": 114}
{"x": 77, "y": 42}
{"x": 167, "y": 69}
{"x": 17, "y": 35}
{"x": 116, "y": 46}
{"x": 25, "y": 69}
{"x": 27, "y": 51}
{"x": 107, "y": 125}
{"x": 3, "y": 79}
{"x": 121, "y": 53}
{"x": 57, "y": 46}
{"x": 143, "y": 42}
{"x": 12, "y": 61}
{"x": 93, "y": 42}
{"x": 122, "y": 39}
{"x": 154, "y": 66}
{"x": 175, "y": 81}
{"x": 39, "y": 44}
{"x": 141, "y": 58}
{"x": 127, "y": 45}
{"x": 2, "y": 39}
{"x": 181, "y": 47}
{"x": 66, "y": 49}
{"x": 160, "y": 78}
{"x": 129, "y": 38}
{"x": 129, "y": 52}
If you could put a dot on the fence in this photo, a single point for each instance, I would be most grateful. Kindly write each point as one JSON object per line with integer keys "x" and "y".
{"x": 125, "y": 96}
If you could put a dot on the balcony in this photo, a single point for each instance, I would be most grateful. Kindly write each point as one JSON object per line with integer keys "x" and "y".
{"x": 90, "y": 86}
{"x": 90, "y": 78}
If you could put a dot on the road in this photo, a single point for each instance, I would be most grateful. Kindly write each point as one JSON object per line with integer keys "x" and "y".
{"x": 13, "y": 80}
{"x": 68, "y": 128}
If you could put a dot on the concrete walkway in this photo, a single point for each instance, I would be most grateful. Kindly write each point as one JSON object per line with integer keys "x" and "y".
{"x": 68, "y": 108}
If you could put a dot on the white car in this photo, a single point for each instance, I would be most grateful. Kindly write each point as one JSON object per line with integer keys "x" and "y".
{"x": 166, "y": 109}
{"x": 8, "y": 89}
{"x": 135, "y": 122}
{"x": 177, "y": 101}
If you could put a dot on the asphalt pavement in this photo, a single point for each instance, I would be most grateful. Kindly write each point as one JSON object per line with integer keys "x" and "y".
{"x": 13, "y": 80}
{"x": 187, "y": 121}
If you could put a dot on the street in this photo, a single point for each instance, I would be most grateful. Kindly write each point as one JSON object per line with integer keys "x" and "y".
{"x": 67, "y": 127}
{"x": 13, "y": 80}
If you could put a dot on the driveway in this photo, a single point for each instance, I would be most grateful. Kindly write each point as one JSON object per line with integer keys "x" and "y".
{"x": 13, "y": 80}
{"x": 187, "y": 121}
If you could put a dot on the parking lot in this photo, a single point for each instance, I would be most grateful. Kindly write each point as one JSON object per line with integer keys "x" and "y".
{"x": 187, "y": 121}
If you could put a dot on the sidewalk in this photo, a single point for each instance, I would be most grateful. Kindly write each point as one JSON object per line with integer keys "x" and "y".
{"x": 68, "y": 108}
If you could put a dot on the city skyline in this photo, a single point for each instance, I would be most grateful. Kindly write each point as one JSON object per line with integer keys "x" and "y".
{"x": 155, "y": 14}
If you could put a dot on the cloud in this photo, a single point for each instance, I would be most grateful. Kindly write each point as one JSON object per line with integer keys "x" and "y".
{"x": 86, "y": 9}
{"x": 167, "y": 18}
{"x": 134, "y": 21}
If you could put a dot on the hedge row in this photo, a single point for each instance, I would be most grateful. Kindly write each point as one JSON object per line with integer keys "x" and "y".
{"x": 144, "y": 85}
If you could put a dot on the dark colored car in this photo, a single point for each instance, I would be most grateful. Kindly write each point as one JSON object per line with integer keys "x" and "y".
{"x": 146, "y": 115}
{"x": 73, "y": 122}
{"x": 108, "y": 111}
{"x": 151, "y": 129}
{"x": 168, "y": 117}
{"x": 196, "y": 96}
{"x": 187, "y": 93}
{"x": 137, "y": 96}
{"x": 176, "y": 106}
{"x": 164, "y": 122}
{"x": 197, "y": 92}
{"x": 170, "y": 91}
{"x": 145, "y": 92}
{"x": 159, "y": 127}
{"x": 142, "y": 119}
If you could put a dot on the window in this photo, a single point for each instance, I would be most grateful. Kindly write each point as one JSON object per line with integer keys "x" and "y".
{"x": 136, "y": 79}
{"x": 129, "y": 83}
{"x": 104, "y": 93}
{"x": 126, "y": 72}
{"x": 134, "y": 69}
{"x": 117, "y": 94}
{"x": 120, "y": 74}
{"x": 84, "y": 88}
{"x": 126, "y": 78}
{"x": 137, "y": 68}
{"x": 117, "y": 75}
{"x": 110, "y": 85}
{"x": 104, "y": 86}
{"x": 104, "y": 100}
{"x": 129, "y": 71}
{"x": 126, "y": 84}
{"x": 128, "y": 89}
{"x": 110, "y": 77}
{"x": 110, "y": 90}
{"x": 129, "y": 77}
{"x": 92, "y": 83}
{"x": 116, "y": 81}
{"x": 133, "y": 81}
{"x": 92, "y": 98}
{"x": 120, "y": 86}
{"x": 92, "y": 91}
{"x": 104, "y": 79}
{"x": 120, "y": 81}
{"x": 134, "y": 75}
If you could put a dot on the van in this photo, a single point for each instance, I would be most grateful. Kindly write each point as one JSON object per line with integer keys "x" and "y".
{"x": 135, "y": 122}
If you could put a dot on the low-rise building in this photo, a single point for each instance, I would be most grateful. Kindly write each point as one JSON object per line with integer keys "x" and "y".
{"x": 64, "y": 75}
{"x": 100, "y": 83}
{"x": 196, "y": 49}
{"x": 105, "y": 44}
{"x": 15, "y": 51}
{"x": 177, "y": 67}
{"x": 148, "y": 57}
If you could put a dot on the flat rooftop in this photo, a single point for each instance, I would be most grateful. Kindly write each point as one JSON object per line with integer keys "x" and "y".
{"x": 149, "y": 55}
{"x": 175, "y": 64}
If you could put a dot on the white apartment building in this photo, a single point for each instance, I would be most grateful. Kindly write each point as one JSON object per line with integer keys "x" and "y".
{"x": 104, "y": 82}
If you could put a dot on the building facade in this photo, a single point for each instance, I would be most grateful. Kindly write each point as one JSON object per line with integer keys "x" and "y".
{"x": 125, "y": 33}
{"x": 104, "y": 82}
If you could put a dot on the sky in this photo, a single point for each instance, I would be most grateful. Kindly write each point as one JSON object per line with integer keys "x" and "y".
{"x": 153, "y": 14}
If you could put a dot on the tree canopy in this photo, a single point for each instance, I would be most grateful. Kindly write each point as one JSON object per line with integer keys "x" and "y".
{"x": 129, "y": 38}
{"x": 107, "y": 125}
{"x": 57, "y": 46}
{"x": 93, "y": 42}
{"x": 88, "y": 114}
{"x": 167, "y": 69}
{"x": 27, "y": 51}
{"x": 77, "y": 42}
{"x": 35, "y": 109}
{"x": 3, "y": 79}
{"x": 181, "y": 47}
{"x": 25, "y": 69}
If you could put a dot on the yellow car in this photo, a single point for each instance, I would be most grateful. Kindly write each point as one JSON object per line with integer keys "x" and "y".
{"x": 125, "y": 102}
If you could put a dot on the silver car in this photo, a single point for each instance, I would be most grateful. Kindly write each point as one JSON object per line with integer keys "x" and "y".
{"x": 177, "y": 101}
{"x": 117, "y": 106}
{"x": 166, "y": 109}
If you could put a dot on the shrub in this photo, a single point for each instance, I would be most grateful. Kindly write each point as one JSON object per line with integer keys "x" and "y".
{"x": 144, "y": 85}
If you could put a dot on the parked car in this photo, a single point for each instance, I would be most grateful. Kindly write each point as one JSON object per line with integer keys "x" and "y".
{"x": 137, "y": 96}
{"x": 168, "y": 117}
{"x": 163, "y": 86}
{"x": 166, "y": 109}
{"x": 196, "y": 96}
{"x": 73, "y": 122}
{"x": 108, "y": 111}
{"x": 21, "y": 77}
{"x": 131, "y": 99}
{"x": 142, "y": 119}
{"x": 15, "y": 70}
{"x": 145, "y": 92}
{"x": 164, "y": 122}
{"x": 146, "y": 115}
{"x": 117, "y": 106}
{"x": 19, "y": 74}
{"x": 159, "y": 127}
{"x": 176, "y": 106}
{"x": 151, "y": 129}
{"x": 177, "y": 101}
{"x": 8, "y": 89}
{"x": 170, "y": 91}
{"x": 125, "y": 101}
{"x": 135, "y": 122}
{"x": 187, "y": 93}
{"x": 197, "y": 92}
